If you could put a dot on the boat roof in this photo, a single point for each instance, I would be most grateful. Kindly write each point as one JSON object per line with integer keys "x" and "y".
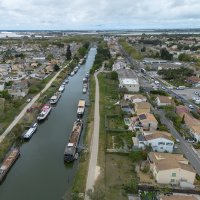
{"x": 30, "y": 130}
{"x": 53, "y": 97}
{"x": 8, "y": 160}
{"x": 81, "y": 103}
{"x": 70, "y": 144}
{"x": 46, "y": 107}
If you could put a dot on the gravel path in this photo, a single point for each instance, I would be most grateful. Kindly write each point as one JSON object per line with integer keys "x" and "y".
{"x": 93, "y": 169}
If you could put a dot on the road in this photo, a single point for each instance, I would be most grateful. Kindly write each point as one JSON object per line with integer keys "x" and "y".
{"x": 94, "y": 142}
{"x": 185, "y": 147}
{"x": 35, "y": 98}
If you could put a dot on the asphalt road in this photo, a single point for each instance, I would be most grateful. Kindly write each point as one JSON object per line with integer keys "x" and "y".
{"x": 185, "y": 147}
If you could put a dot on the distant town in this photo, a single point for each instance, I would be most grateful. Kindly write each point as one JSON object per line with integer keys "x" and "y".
{"x": 136, "y": 132}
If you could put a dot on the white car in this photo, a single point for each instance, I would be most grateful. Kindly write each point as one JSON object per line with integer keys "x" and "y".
{"x": 191, "y": 106}
{"x": 194, "y": 98}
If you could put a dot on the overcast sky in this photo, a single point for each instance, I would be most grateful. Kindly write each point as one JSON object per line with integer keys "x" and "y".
{"x": 98, "y": 14}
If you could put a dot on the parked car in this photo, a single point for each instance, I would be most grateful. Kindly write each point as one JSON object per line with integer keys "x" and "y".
{"x": 190, "y": 106}
{"x": 190, "y": 140}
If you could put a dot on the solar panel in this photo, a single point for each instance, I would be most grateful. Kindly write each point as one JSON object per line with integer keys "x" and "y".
{"x": 142, "y": 116}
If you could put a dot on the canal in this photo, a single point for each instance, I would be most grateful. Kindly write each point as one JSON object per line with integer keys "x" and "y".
{"x": 40, "y": 173}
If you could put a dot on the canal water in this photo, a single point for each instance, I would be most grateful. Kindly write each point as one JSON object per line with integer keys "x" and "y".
{"x": 40, "y": 173}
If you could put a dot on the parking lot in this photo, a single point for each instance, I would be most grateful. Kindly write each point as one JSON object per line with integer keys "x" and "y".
{"x": 188, "y": 93}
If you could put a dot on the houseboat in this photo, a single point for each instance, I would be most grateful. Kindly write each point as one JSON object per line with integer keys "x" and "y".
{"x": 81, "y": 108}
{"x": 70, "y": 152}
{"x": 54, "y": 99}
{"x": 8, "y": 163}
{"x": 46, "y": 109}
{"x": 30, "y": 131}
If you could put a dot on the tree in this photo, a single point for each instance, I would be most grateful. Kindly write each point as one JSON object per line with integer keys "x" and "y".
{"x": 68, "y": 53}
{"x": 49, "y": 57}
{"x": 114, "y": 75}
{"x": 165, "y": 54}
{"x": 56, "y": 67}
{"x": 184, "y": 57}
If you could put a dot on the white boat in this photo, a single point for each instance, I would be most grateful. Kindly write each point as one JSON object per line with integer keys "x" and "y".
{"x": 44, "y": 112}
{"x": 85, "y": 80}
{"x": 85, "y": 85}
{"x": 87, "y": 75}
{"x": 76, "y": 69}
{"x": 67, "y": 81}
{"x": 84, "y": 90}
{"x": 81, "y": 108}
{"x": 61, "y": 88}
{"x": 30, "y": 131}
{"x": 72, "y": 73}
{"x": 54, "y": 99}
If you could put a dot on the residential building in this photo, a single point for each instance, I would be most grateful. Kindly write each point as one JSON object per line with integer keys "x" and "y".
{"x": 159, "y": 141}
{"x": 192, "y": 123}
{"x": 129, "y": 80}
{"x": 125, "y": 106}
{"x": 135, "y": 98}
{"x": 179, "y": 197}
{"x": 145, "y": 122}
{"x": 194, "y": 80}
{"x": 164, "y": 101}
{"x": 130, "y": 84}
{"x": 171, "y": 168}
{"x": 19, "y": 89}
{"x": 142, "y": 107}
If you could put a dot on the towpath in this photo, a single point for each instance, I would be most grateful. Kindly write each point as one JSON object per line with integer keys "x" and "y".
{"x": 93, "y": 168}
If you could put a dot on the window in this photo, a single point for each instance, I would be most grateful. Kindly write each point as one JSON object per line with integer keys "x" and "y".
{"x": 169, "y": 143}
{"x": 172, "y": 180}
{"x": 161, "y": 143}
{"x": 173, "y": 174}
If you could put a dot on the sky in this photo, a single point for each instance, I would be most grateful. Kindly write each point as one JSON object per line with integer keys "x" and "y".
{"x": 98, "y": 14}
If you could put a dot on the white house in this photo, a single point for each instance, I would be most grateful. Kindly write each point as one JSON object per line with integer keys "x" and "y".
{"x": 135, "y": 98}
{"x": 131, "y": 85}
{"x": 170, "y": 168}
{"x": 159, "y": 141}
{"x": 128, "y": 79}
{"x": 164, "y": 101}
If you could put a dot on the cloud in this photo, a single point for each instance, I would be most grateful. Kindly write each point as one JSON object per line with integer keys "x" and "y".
{"x": 92, "y": 14}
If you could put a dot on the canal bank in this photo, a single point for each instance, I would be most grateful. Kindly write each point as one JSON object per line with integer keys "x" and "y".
{"x": 40, "y": 172}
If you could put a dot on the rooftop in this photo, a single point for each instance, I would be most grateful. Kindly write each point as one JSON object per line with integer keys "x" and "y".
{"x": 179, "y": 197}
{"x": 165, "y": 99}
{"x": 127, "y": 73}
{"x": 166, "y": 161}
{"x": 147, "y": 117}
{"x": 159, "y": 134}
{"x": 128, "y": 81}
{"x": 142, "y": 105}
